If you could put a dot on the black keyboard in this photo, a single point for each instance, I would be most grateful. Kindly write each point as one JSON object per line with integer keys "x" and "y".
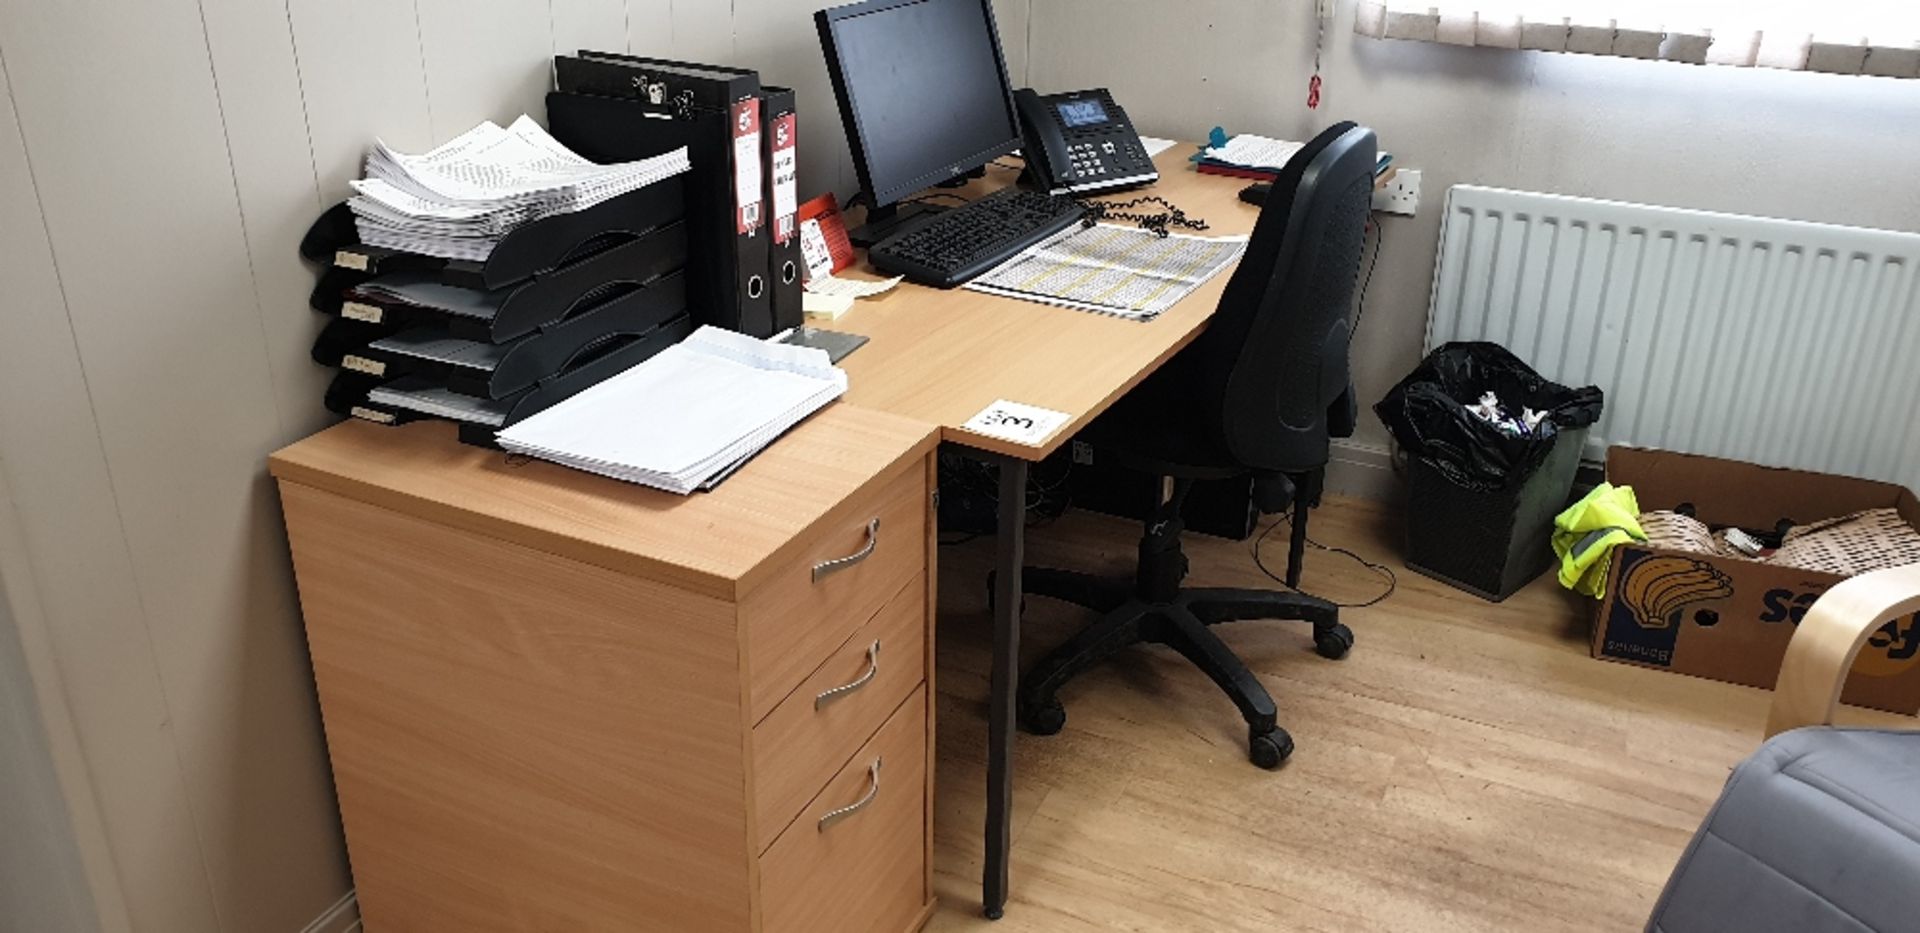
{"x": 963, "y": 242}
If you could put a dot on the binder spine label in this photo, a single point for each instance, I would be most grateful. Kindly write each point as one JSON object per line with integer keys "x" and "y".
{"x": 746, "y": 164}
{"x": 814, "y": 250}
{"x": 361, "y": 364}
{"x": 786, "y": 179}
{"x": 356, "y": 311}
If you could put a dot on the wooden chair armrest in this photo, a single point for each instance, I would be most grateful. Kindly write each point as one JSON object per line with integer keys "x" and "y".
{"x": 1836, "y": 627}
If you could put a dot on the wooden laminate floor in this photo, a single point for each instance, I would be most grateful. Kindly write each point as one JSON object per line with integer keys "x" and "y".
{"x": 1468, "y": 767}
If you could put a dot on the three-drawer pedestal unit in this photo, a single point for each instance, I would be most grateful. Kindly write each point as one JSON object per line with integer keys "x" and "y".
{"x": 554, "y": 701}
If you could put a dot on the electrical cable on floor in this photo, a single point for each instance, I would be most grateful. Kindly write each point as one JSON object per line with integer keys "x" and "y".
{"x": 1381, "y": 570}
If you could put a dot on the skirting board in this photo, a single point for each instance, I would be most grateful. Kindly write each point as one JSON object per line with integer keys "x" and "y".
{"x": 342, "y": 917}
{"x": 1363, "y": 471}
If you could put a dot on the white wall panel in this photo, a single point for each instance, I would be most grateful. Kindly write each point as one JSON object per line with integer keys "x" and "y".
{"x": 600, "y": 25}
{"x": 484, "y": 61}
{"x": 1012, "y": 18}
{"x": 362, "y": 77}
{"x": 160, "y": 296}
{"x": 650, "y": 26}
{"x": 78, "y": 558}
{"x": 257, "y": 78}
{"x": 702, "y": 30}
{"x": 270, "y": 796}
{"x": 43, "y": 882}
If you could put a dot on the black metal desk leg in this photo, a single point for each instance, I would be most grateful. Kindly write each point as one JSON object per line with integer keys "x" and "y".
{"x": 1012, "y": 547}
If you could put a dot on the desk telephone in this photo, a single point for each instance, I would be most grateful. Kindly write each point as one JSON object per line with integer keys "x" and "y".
{"x": 1081, "y": 142}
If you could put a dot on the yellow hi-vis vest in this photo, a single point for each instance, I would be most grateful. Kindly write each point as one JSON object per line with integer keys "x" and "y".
{"x": 1585, "y": 535}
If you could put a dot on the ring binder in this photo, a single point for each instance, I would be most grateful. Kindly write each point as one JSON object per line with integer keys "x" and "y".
{"x": 784, "y": 261}
{"x": 612, "y": 108}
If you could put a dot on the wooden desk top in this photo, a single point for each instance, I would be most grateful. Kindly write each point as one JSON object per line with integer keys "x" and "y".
{"x": 941, "y": 356}
{"x": 708, "y": 543}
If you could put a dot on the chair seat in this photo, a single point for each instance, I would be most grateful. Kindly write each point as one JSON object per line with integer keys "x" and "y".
{"x": 1818, "y": 831}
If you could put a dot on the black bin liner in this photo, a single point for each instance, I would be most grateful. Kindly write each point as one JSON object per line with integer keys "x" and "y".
{"x": 1427, "y": 414}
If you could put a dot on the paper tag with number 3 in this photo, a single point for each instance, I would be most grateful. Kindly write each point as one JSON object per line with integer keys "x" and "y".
{"x": 1022, "y": 424}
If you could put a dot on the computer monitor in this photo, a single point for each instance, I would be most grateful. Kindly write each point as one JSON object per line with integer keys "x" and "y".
{"x": 923, "y": 93}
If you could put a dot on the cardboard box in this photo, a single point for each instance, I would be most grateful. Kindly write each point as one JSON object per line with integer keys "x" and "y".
{"x": 1729, "y": 619}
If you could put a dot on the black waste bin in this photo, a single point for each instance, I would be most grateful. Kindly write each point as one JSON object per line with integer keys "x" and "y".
{"x": 1481, "y": 504}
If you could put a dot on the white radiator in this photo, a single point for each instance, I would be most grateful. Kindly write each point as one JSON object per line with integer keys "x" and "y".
{"x": 1775, "y": 341}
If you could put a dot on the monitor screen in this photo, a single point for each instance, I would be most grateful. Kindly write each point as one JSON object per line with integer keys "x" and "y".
{"x": 923, "y": 89}
{"x": 1082, "y": 113}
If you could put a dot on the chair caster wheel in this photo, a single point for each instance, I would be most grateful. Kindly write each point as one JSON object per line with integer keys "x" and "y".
{"x": 1045, "y": 718}
{"x": 1333, "y": 643}
{"x": 994, "y": 913}
{"x": 1271, "y": 750}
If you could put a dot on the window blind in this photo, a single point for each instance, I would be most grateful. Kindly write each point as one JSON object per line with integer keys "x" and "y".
{"x": 1856, "y": 37}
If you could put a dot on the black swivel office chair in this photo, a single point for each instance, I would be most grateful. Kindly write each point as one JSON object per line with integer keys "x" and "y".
{"x": 1260, "y": 392}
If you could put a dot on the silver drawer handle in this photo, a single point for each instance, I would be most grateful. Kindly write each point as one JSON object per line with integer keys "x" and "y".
{"x": 824, "y": 568}
{"x": 835, "y": 816}
{"x": 873, "y": 667}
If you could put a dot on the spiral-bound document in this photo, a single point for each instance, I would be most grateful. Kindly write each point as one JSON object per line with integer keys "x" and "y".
{"x": 687, "y": 417}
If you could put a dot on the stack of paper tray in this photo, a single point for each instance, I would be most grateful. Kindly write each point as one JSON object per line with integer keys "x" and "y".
{"x": 558, "y": 303}
{"x": 459, "y": 200}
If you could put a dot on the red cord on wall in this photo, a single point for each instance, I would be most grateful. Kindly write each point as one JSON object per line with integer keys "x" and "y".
{"x": 1323, "y": 9}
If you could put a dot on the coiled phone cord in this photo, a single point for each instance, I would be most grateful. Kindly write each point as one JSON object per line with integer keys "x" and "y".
{"x": 1159, "y": 222}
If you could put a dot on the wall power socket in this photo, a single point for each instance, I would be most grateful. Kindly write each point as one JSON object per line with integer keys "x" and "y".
{"x": 1401, "y": 195}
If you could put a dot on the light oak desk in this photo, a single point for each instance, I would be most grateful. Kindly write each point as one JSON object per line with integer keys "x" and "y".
{"x": 941, "y": 356}
{"x": 552, "y": 698}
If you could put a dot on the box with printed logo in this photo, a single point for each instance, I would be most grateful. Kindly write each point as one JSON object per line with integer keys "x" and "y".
{"x": 1728, "y": 618}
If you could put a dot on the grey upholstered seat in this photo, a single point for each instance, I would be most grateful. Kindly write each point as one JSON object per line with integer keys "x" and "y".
{"x": 1818, "y": 831}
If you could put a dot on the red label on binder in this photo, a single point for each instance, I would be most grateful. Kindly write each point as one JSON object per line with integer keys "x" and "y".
{"x": 746, "y": 164}
{"x": 786, "y": 179}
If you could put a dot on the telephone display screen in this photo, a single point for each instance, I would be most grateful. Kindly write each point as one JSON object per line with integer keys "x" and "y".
{"x": 1078, "y": 113}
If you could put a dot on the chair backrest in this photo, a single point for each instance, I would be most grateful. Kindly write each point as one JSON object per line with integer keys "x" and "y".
{"x": 1275, "y": 353}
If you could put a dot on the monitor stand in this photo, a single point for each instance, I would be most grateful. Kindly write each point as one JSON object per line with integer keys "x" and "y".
{"x": 883, "y": 222}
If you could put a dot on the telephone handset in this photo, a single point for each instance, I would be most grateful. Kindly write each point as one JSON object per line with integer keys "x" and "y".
{"x": 1081, "y": 142}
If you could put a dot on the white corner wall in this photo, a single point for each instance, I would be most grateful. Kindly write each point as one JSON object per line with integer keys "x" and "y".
{"x": 159, "y": 161}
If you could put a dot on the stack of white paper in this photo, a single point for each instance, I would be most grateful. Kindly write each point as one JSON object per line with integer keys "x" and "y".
{"x": 458, "y": 200}
{"x": 1258, "y": 152}
{"x": 685, "y": 418}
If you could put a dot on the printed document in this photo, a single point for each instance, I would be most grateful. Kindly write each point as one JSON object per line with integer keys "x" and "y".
{"x": 686, "y": 418}
{"x": 1122, "y": 271}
